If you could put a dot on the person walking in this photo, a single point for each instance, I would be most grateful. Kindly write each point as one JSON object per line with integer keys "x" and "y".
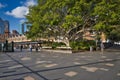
{"x": 102, "y": 46}
{"x": 21, "y": 47}
{"x": 30, "y": 46}
{"x": 36, "y": 48}
{"x": 3, "y": 47}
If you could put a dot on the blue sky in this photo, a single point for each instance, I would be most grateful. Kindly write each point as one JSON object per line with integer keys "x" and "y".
{"x": 14, "y": 11}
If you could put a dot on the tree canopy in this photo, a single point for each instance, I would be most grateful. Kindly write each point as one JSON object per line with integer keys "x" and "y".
{"x": 69, "y": 18}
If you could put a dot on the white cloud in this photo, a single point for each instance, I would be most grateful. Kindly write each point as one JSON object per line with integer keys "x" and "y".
{"x": 1, "y": 5}
{"x": 30, "y": 3}
{"x": 18, "y": 12}
{"x": 21, "y": 11}
{"x": 22, "y": 21}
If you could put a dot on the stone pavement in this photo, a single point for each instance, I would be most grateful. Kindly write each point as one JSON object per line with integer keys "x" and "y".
{"x": 58, "y": 66}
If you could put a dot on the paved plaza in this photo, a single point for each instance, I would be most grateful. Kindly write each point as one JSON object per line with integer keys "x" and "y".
{"x": 44, "y": 65}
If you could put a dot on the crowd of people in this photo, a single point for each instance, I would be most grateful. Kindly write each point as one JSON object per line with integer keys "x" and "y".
{"x": 30, "y": 47}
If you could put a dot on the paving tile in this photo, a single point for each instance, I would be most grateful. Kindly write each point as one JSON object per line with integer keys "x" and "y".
{"x": 109, "y": 64}
{"x": 71, "y": 73}
{"x": 29, "y": 78}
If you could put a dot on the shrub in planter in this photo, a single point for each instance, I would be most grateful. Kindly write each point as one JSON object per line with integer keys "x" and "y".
{"x": 53, "y": 46}
{"x": 56, "y": 44}
{"x": 81, "y": 45}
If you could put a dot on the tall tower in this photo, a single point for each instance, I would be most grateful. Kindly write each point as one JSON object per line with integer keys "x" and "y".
{"x": 4, "y": 30}
{"x": 6, "y": 25}
{"x": 22, "y": 28}
{"x": 2, "y": 26}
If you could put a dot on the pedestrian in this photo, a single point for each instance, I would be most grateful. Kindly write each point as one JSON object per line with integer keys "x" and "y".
{"x": 40, "y": 46}
{"x": 102, "y": 46}
{"x": 3, "y": 47}
{"x": 30, "y": 46}
{"x": 36, "y": 48}
{"x": 21, "y": 47}
{"x": 91, "y": 48}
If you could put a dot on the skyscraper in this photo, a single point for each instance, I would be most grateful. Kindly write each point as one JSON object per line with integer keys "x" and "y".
{"x": 23, "y": 28}
{"x": 4, "y": 26}
{"x": 4, "y": 30}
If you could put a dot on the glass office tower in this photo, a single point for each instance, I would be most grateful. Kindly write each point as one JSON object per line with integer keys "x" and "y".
{"x": 4, "y": 26}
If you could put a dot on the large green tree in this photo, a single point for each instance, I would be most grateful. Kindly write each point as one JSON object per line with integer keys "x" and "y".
{"x": 70, "y": 18}
{"x": 107, "y": 13}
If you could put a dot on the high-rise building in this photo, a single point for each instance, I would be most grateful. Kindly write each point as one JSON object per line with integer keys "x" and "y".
{"x": 23, "y": 28}
{"x": 2, "y": 26}
{"x": 4, "y": 30}
{"x": 6, "y": 24}
{"x": 15, "y": 32}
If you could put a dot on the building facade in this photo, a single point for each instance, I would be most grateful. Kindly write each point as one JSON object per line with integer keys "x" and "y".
{"x": 4, "y": 30}
{"x": 2, "y": 26}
